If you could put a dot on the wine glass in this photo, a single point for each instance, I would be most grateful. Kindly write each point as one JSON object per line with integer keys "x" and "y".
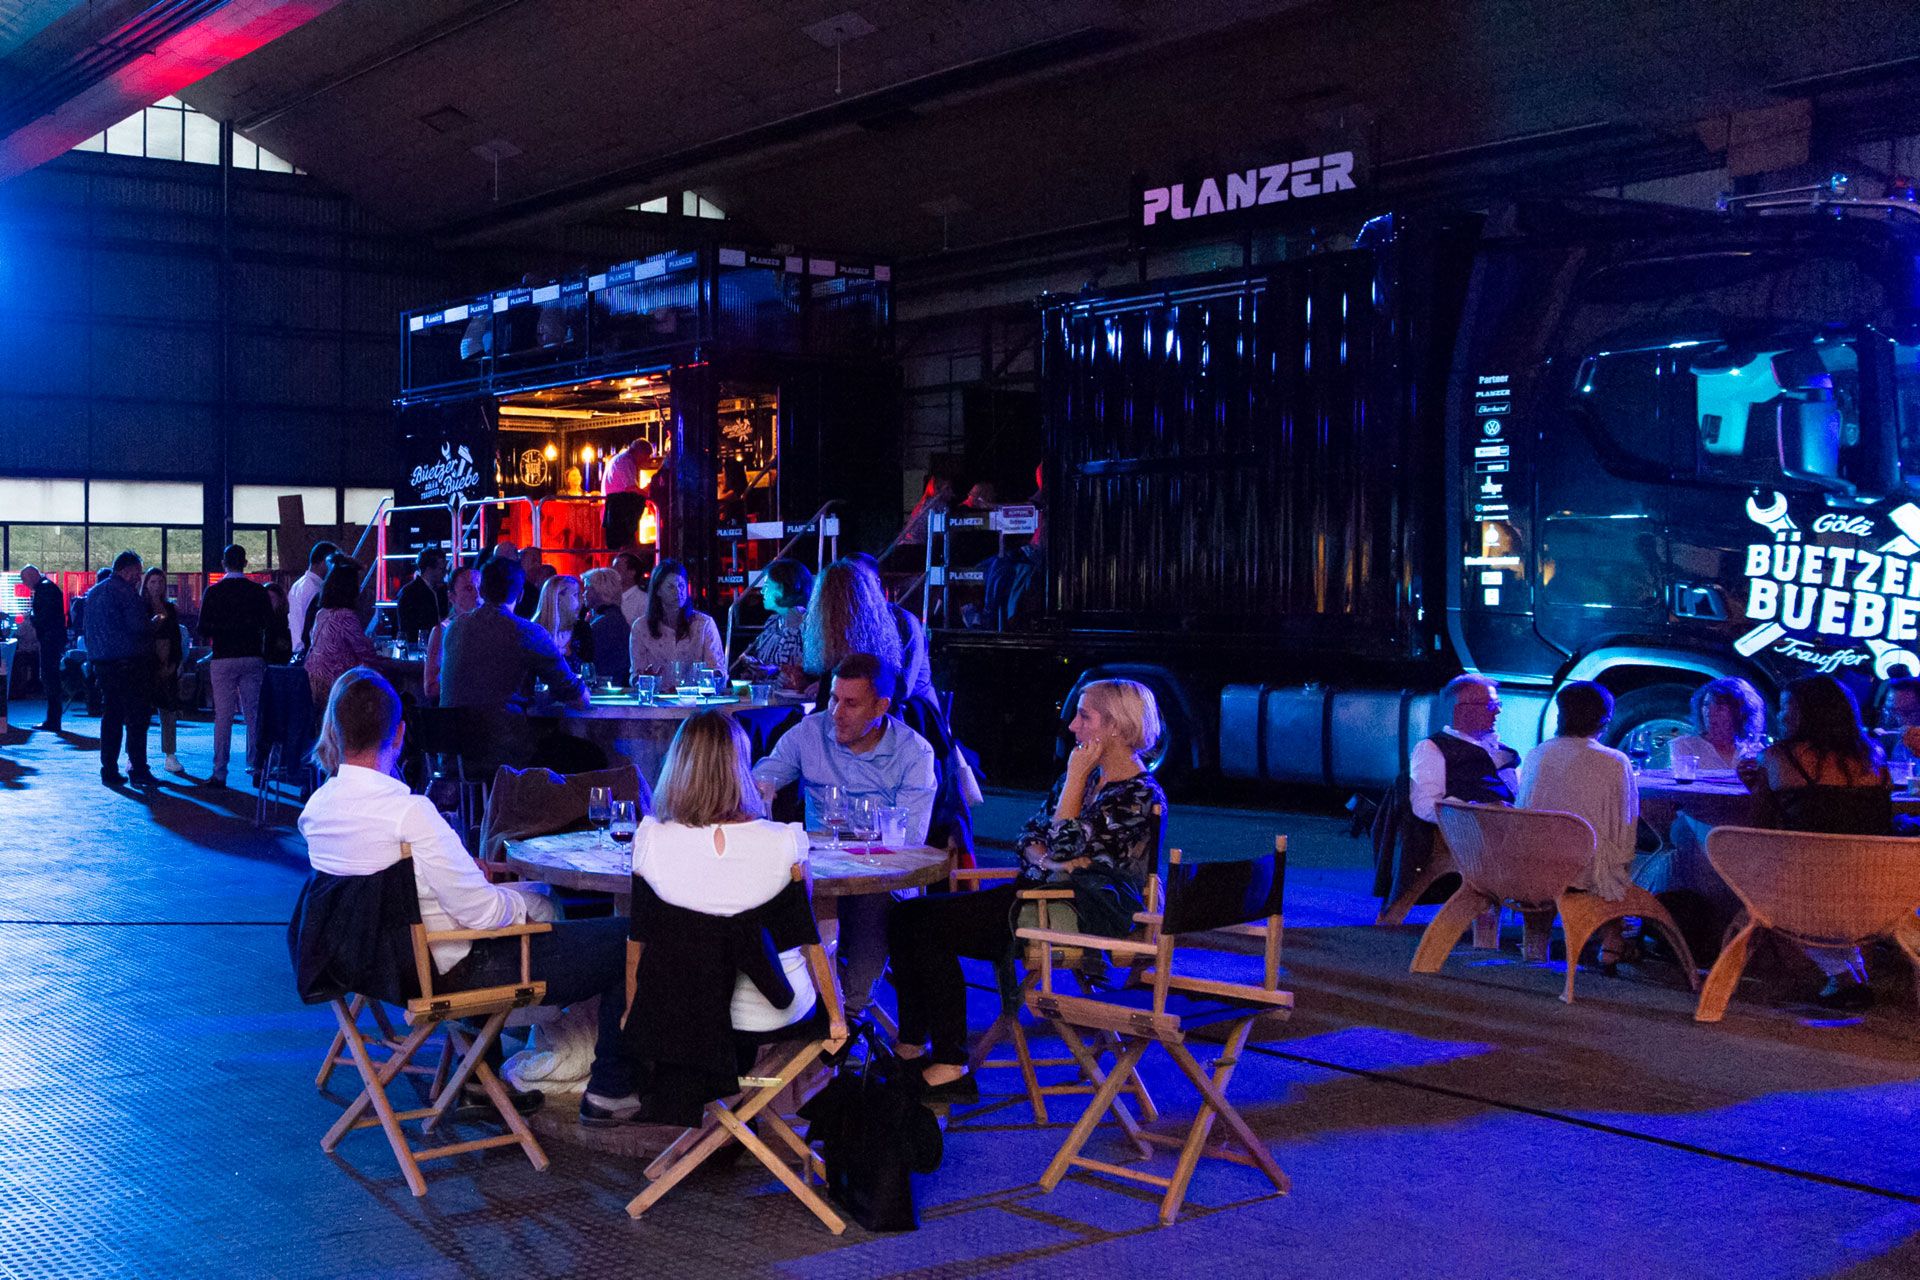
{"x": 599, "y": 806}
{"x": 833, "y": 813}
{"x": 624, "y": 821}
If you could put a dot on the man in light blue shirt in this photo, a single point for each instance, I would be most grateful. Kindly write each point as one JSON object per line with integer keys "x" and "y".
{"x": 856, "y": 746}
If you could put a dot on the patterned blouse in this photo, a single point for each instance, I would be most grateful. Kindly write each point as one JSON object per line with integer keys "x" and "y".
{"x": 1117, "y": 828}
{"x": 779, "y": 643}
{"x": 338, "y": 644}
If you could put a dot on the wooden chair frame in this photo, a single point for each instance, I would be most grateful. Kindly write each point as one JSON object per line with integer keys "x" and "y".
{"x": 795, "y": 1066}
{"x": 1152, "y": 963}
{"x": 434, "y": 1011}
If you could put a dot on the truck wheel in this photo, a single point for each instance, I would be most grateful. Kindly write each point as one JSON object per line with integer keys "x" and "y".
{"x": 1648, "y": 719}
{"x": 1174, "y": 760}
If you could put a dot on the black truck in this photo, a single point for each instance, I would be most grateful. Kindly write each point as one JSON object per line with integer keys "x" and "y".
{"x": 1577, "y": 439}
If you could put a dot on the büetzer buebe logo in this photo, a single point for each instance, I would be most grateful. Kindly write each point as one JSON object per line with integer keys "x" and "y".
{"x": 454, "y": 473}
{"x": 1841, "y": 594}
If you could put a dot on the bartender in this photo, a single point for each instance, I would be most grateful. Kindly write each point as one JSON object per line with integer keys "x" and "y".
{"x": 627, "y": 493}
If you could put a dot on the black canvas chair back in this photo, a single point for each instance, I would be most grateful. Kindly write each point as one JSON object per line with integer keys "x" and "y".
{"x": 353, "y": 935}
{"x": 1213, "y": 895}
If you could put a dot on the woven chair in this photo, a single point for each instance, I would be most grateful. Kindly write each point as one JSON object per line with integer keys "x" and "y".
{"x": 1532, "y": 859}
{"x": 1009, "y": 1027}
{"x": 1816, "y": 890}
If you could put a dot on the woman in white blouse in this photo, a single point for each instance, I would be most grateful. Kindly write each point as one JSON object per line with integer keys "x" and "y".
{"x": 1730, "y": 720}
{"x": 672, "y": 630}
{"x": 708, "y": 849}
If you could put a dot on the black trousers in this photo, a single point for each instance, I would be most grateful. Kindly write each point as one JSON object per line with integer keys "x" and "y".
{"x": 620, "y": 519}
{"x": 927, "y": 937}
{"x": 577, "y": 960}
{"x": 126, "y": 706}
{"x": 51, "y": 656}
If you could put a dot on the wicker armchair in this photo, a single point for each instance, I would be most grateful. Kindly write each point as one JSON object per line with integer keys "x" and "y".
{"x": 1817, "y": 890}
{"x": 1533, "y": 859}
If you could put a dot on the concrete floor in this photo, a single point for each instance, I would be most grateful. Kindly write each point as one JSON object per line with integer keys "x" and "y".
{"x": 157, "y": 1114}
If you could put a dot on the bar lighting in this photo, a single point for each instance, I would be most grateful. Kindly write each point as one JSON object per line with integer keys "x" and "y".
{"x": 552, "y": 451}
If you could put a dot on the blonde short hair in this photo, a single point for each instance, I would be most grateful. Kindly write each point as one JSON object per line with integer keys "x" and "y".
{"x": 1129, "y": 706}
{"x": 602, "y": 587}
{"x": 706, "y": 777}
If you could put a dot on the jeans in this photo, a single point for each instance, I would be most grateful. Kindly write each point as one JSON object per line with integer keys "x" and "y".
{"x": 236, "y": 687}
{"x": 50, "y": 666}
{"x": 928, "y": 937}
{"x": 126, "y": 689}
{"x": 578, "y": 960}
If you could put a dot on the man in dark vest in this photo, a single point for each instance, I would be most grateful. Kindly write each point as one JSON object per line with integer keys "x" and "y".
{"x": 1465, "y": 760}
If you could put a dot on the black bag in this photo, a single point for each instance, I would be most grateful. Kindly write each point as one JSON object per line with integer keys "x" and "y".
{"x": 874, "y": 1131}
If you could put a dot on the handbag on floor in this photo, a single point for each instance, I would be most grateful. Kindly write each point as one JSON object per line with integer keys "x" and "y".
{"x": 874, "y": 1133}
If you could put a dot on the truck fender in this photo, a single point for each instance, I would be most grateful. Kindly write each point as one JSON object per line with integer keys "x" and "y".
{"x": 1662, "y": 701}
{"x": 1184, "y": 750}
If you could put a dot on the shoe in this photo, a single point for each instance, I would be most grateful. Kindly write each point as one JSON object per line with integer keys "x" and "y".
{"x": 173, "y": 765}
{"x": 112, "y": 778}
{"x": 1845, "y": 995}
{"x": 965, "y": 1089}
{"x": 215, "y": 784}
{"x": 623, "y": 1112}
{"x": 143, "y": 778}
{"x": 476, "y": 1105}
{"x": 49, "y": 726}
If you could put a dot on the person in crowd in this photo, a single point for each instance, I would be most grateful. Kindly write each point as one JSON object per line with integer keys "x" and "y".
{"x": 277, "y": 647}
{"x": 49, "y": 614}
{"x": 935, "y": 494}
{"x": 76, "y": 664}
{"x": 1465, "y": 760}
{"x": 560, "y": 616}
{"x": 463, "y": 596}
{"x": 709, "y": 848}
{"x": 633, "y": 592}
{"x": 607, "y": 625}
{"x": 1098, "y": 833}
{"x": 1826, "y": 773}
{"x": 1729, "y": 721}
{"x": 855, "y": 746}
{"x": 119, "y": 639}
{"x": 1901, "y": 737}
{"x": 848, "y": 614}
{"x": 538, "y": 572}
{"x": 626, "y": 499}
{"x": 504, "y": 548}
{"x": 235, "y": 617}
{"x": 672, "y": 630}
{"x": 305, "y": 591}
{"x": 492, "y": 656}
{"x": 77, "y": 607}
{"x": 356, "y": 824}
{"x": 419, "y": 603}
{"x": 916, "y": 673}
{"x": 781, "y": 644}
{"x": 168, "y": 654}
{"x": 338, "y": 642}
{"x": 1573, "y": 773}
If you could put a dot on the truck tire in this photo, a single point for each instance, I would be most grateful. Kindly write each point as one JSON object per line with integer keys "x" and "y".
{"x": 1657, "y": 714}
{"x": 1175, "y": 759}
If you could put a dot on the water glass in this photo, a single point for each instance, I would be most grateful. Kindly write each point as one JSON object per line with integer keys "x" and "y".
{"x": 625, "y": 821}
{"x": 599, "y": 805}
{"x": 586, "y": 674}
{"x": 762, "y": 694}
{"x": 646, "y": 689}
{"x": 721, "y": 684}
{"x": 1686, "y": 766}
{"x": 1901, "y": 771}
{"x": 892, "y": 820}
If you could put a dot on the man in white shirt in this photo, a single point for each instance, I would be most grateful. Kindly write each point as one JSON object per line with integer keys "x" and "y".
{"x": 356, "y": 824}
{"x": 302, "y": 594}
{"x": 1573, "y": 773}
{"x": 633, "y": 591}
{"x": 1465, "y": 760}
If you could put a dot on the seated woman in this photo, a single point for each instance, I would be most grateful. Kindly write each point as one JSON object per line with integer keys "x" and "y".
{"x": 355, "y": 824}
{"x": 1098, "y": 833}
{"x": 672, "y": 630}
{"x": 707, "y": 848}
{"x": 1825, "y": 774}
{"x": 781, "y": 644}
{"x": 1729, "y": 721}
{"x": 559, "y": 615}
{"x": 606, "y": 624}
{"x": 339, "y": 640}
{"x": 463, "y": 597}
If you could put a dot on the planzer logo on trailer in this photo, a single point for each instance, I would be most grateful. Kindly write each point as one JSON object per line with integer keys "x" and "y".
{"x": 1261, "y": 190}
{"x": 1841, "y": 594}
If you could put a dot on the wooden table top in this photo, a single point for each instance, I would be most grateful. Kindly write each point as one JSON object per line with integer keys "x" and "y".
{"x": 587, "y": 860}
{"x": 621, "y": 706}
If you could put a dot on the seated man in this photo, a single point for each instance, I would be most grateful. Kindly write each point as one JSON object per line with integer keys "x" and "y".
{"x": 856, "y": 746}
{"x": 1572, "y": 773}
{"x": 1465, "y": 760}
{"x": 492, "y": 655}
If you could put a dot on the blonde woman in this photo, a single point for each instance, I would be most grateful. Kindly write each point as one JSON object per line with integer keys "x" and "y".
{"x": 606, "y": 624}
{"x": 1098, "y": 833}
{"x": 559, "y": 615}
{"x": 847, "y": 615}
{"x": 707, "y": 848}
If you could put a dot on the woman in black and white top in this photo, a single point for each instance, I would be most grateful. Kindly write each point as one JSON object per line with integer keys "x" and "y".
{"x": 1098, "y": 832}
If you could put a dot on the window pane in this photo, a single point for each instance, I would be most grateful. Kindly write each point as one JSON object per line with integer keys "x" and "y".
{"x": 361, "y": 503}
{"x": 170, "y": 101}
{"x": 203, "y": 139}
{"x": 259, "y": 545}
{"x": 656, "y": 205}
{"x": 259, "y": 504}
{"x": 245, "y": 154}
{"x": 104, "y": 542}
{"x": 98, "y": 142}
{"x": 128, "y": 138}
{"x": 163, "y": 134}
{"x": 183, "y": 549}
{"x": 111, "y": 501}
{"x": 53, "y": 548}
{"x": 272, "y": 163}
{"x": 54, "y": 501}
{"x": 689, "y": 204}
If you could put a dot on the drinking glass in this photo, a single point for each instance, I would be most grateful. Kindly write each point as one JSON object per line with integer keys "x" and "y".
{"x": 586, "y": 674}
{"x": 673, "y": 677}
{"x": 646, "y": 689}
{"x": 625, "y": 822}
{"x": 1686, "y": 767}
{"x": 833, "y": 814}
{"x": 722, "y": 685}
{"x": 599, "y": 802}
{"x": 762, "y": 694}
{"x": 893, "y": 826}
{"x": 1901, "y": 771}
{"x": 862, "y": 820}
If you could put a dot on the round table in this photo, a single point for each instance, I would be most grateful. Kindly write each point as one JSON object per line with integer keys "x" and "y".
{"x": 588, "y": 861}
{"x": 625, "y": 728}
{"x": 1717, "y": 798}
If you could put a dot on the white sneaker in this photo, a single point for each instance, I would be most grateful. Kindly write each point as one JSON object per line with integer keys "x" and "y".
{"x": 174, "y": 765}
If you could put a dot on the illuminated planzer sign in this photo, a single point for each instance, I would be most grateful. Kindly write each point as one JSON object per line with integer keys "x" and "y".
{"x": 1270, "y": 184}
{"x": 1849, "y": 600}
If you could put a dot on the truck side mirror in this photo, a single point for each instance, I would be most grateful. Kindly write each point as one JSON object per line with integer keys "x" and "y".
{"x": 1809, "y": 435}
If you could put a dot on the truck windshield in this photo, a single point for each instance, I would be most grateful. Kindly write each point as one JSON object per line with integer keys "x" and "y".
{"x": 1906, "y": 392}
{"x": 1785, "y": 411}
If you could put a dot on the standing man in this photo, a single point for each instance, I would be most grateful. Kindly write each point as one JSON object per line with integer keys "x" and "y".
{"x": 633, "y": 591}
{"x": 626, "y": 499}
{"x": 234, "y": 617}
{"x": 302, "y": 594}
{"x": 120, "y": 647}
{"x": 50, "y": 628}
{"x": 421, "y": 602}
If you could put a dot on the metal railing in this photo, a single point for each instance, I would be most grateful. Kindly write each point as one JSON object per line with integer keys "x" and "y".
{"x": 818, "y": 526}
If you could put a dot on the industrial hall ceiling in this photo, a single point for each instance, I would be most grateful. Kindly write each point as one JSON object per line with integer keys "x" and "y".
{"x": 903, "y": 129}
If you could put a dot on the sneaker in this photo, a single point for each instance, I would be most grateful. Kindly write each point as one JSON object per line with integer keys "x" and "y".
{"x": 173, "y": 765}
